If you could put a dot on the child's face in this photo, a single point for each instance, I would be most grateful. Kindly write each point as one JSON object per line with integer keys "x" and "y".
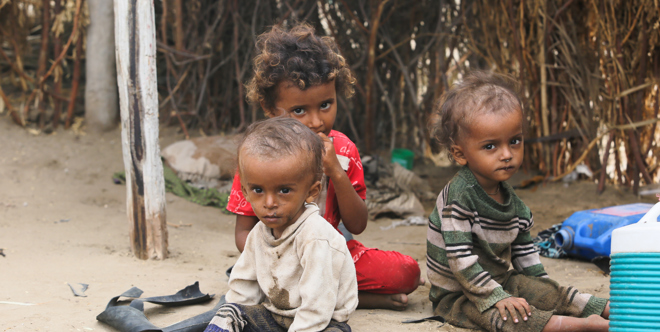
{"x": 315, "y": 107}
{"x": 278, "y": 189}
{"x": 492, "y": 147}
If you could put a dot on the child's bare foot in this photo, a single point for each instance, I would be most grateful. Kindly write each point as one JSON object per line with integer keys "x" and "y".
{"x": 398, "y": 301}
{"x": 569, "y": 324}
{"x": 368, "y": 300}
{"x": 606, "y": 312}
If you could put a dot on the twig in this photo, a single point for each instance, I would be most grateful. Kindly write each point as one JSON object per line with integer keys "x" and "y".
{"x": 203, "y": 88}
{"x": 355, "y": 19}
{"x": 603, "y": 172}
{"x": 581, "y": 159}
{"x": 176, "y": 87}
{"x": 178, "y": 225}
{"x": 43, "y": 57}
{"x": 634, "y": 147}
{"x": 14, "y": 68}
{"x": 167, "y": 49}
{"x": 74, "y": 85}
{"x": 57, "y": 48}
{"x": 14, "y": 114}
{"x": 178, "y": 25}
{"x": 241, "y": 105}
{"x": 374, "y": 24}
{"x": 74, "y": 34}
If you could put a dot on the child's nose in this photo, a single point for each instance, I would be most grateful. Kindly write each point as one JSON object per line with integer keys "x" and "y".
{"x": 506, "y": 153}
{"x": 315, "y": 121}
{"x": 270, "y": 201}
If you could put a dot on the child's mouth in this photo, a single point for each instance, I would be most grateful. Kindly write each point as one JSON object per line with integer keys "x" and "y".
{"x": 270, "y": 219}
{"x": 506, "y": 168}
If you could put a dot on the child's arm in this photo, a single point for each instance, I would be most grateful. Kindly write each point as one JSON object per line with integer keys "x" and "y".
{"x": 524, "y": 257}
{"x": 245, "y": 218}
{"x": 244, "y": 225}
{"x": 352, "y": 208}
{"x": 243, "y": 285}
{"x": 320, "y": 287}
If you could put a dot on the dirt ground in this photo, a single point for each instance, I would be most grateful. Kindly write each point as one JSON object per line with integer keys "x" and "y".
{"x": 62, "y": 220}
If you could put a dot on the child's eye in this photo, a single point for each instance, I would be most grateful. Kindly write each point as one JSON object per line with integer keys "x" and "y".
{"x": 325, "y": 106}
{"x": 516, "y": 141}
{"x": 285, "y": 190}
{"x": 257, "y": 190}
{"x": 489, "y": 146}
{"x": 298, "y": 111}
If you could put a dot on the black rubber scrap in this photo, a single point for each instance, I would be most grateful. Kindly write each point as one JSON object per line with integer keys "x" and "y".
{"x": 131, "y": 318}
{"x": 426, "y": 319}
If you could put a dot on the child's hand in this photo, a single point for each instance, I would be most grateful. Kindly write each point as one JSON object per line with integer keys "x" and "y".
{"x": 330, "y": 161}
{"x": 512, "y": 304}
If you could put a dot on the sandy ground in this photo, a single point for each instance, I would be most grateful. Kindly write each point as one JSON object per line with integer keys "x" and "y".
{"x": 62, "y": 220}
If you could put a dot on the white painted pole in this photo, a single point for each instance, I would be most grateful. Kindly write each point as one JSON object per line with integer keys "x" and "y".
{"x": 135, "y": 42}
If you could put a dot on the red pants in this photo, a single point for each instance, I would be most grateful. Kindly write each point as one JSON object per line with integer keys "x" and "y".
{"x": 383, "y": 272}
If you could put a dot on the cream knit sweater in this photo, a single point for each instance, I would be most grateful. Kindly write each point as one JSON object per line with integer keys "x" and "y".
{"x": 307, "y": 274}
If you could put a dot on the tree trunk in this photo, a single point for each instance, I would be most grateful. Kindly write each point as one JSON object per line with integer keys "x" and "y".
{"x": 57, "y": 49}
{"x": 136, "y": 77}
{"x": 376, "y": 13}
{"x": 101, "y": 101}
{"x": 43, "y": 58}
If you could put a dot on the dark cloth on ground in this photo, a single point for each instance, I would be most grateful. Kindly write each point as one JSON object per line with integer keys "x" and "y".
{"x": 544, "y": 295}
{"x": 545, "y": 243}
{"x": 233, "y": 317}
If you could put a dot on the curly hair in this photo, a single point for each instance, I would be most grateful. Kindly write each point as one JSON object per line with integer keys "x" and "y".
{"x": 300, "y": 56}
{"x": 281, "y": 137}
{"x": 478, "y": 93}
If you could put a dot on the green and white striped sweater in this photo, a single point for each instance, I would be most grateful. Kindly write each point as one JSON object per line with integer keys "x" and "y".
{"x": 474, "y": 240}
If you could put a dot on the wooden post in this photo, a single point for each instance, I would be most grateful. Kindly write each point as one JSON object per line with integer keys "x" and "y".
{"x": 135, "y": 39}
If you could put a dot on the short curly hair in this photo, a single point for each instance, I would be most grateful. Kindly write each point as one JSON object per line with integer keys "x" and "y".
{"x": 300, "y": 56}
{"x": 479, "y": 92}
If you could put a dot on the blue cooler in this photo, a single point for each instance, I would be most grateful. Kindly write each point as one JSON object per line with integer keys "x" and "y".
{"x": 588, "y": 233}
{"x": 635, "y": 277}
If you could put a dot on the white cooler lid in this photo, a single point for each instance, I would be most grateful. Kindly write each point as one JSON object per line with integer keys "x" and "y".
{"x": 643, "y": 236}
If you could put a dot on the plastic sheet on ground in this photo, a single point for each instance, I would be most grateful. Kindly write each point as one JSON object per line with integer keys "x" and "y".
{"x": 394, "y": 191}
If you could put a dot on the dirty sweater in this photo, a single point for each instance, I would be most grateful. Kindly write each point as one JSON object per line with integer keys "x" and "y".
{"x": 473, "y": 240}
{"x": 307, "y": 274}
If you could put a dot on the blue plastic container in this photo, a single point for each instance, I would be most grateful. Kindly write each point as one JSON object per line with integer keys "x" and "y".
{"x": 635, "y": 277}
{"x": 588, "y": 234}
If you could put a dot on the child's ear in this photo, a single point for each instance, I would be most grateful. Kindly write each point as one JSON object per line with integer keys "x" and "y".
{"x": 457, "y": 153}
{"x": 314, "y": 192}
{"x": 245, "y": 193}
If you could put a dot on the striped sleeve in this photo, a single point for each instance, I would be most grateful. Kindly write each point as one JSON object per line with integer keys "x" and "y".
{"x": 524, "y": 257}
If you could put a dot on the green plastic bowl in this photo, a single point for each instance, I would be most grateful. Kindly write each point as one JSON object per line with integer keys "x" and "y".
{"x": 403, "y": 157}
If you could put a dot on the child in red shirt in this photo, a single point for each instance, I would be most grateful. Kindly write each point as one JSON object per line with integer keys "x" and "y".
{"x": 298, "y": 74}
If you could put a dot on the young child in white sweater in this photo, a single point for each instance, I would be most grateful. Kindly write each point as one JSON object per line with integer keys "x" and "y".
{"x": 295, "y": 272}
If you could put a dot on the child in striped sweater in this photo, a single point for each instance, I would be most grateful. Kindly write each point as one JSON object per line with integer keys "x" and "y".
{"x": 479, "y": 227}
